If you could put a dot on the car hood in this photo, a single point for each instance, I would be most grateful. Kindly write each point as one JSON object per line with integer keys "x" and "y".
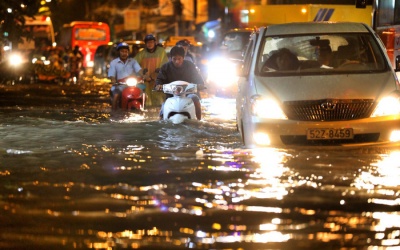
{"x": 343, "y": 86}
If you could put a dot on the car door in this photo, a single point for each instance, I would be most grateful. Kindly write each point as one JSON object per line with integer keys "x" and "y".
{"x": 243, "y": 81}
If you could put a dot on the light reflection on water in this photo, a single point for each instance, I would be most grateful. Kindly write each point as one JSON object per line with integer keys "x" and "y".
{"x": 73, "y": 180}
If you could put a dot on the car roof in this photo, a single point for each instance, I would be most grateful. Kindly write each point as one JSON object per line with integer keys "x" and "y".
{"x": 316, "y": 27}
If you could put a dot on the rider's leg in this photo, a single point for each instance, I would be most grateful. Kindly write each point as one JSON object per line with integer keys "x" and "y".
{"x": 115, "y": 93}
{"x": 161, "y": 114}
{"x": 143, "y": 100}
{"x": 197, "y": 105}
{"x": 115, "y": 99}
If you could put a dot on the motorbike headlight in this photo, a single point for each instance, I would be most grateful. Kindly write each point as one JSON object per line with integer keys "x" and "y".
{"x": 267, "y": 108}
{"x": 131, "y": 82}
{"x": 389, "y": 105}
{"x": 15, "y": 60}
{"x": 222, "y": 72}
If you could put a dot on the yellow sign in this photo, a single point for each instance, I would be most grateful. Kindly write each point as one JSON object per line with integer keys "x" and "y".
{"x": 131, "y": 20}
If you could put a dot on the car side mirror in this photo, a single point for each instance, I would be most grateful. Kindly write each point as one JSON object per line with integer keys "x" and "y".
{"x": 397, "y": 64}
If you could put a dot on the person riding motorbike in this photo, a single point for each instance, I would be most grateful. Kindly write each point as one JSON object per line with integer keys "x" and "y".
{"x": 121, "y": 68}
{"x": 151, "y": 58}
{"x": 180, "y": 69}
{"x": 185, "y": 44}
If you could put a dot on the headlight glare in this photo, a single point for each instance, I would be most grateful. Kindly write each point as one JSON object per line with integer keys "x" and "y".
{"x": 262, "y": 139}
{"x": 131, "y": 82}
{"x": 15, "y": 60}
{"x": 267, "y": 108}
{"x": 90, "y": 64}
{"x": 222, "y": 72}
{"x": 387, "y": 106}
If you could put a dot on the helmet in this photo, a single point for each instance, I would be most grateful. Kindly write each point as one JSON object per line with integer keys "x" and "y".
{"x": 149, "y": 38}
{"x": 123, "y": 45}
{"x": 184, "y": 42}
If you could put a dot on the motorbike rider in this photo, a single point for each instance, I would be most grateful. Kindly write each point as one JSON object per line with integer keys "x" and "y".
{"x": 120, "y": 69}
{"x": 185, "y": 44}
{"x": 179, "y": 69}
{"x": 151, "y": 58}
{"x": 75, "y": 61}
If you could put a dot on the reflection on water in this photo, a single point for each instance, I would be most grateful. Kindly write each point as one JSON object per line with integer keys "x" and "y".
{"x": 85, "y": 179}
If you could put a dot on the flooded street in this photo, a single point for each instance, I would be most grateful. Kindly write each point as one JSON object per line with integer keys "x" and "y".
{"x": 74, "y": 177}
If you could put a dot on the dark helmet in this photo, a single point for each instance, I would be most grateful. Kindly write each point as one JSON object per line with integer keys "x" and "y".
{"x": 184, "y": 42}
{"x": 123, "y": 45}
{"x": 149, "y": 38}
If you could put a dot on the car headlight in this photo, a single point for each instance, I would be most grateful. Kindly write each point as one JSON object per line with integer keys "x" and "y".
{"x": 15, "y": 60}
{"x": 222, "y": 72}
{"x": 389, "y": 105}
{"x": 267, "y": 108}
{"x": 131, "y": 82}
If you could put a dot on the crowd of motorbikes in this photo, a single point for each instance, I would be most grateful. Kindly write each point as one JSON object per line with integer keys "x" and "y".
{"x": 54, "y": 66}
{"x": 50, "y": 64}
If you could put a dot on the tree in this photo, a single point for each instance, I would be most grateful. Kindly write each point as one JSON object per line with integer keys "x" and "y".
{"x": 12, "y": 19}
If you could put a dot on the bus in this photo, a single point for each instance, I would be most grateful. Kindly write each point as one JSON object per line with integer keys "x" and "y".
{"x": 382, "y": 15}
{"x": 41, "y": 36}
{"x": 88, "y": 36}
{"x": 42, "y": 31}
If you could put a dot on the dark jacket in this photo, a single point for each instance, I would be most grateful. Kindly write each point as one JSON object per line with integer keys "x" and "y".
{"x": 188, "y": 72}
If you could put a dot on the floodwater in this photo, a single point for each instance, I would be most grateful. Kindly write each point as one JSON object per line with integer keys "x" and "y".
{"x": 74, "y": 177}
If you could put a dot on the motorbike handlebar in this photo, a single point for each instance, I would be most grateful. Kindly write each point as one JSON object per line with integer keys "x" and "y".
{"x": 157, "y": 89}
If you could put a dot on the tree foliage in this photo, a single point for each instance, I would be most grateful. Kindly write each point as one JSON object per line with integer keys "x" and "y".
{"x": 12, "y": 19}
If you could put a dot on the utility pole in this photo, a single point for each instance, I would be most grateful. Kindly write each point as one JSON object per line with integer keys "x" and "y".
{"x": 178, "y": 9}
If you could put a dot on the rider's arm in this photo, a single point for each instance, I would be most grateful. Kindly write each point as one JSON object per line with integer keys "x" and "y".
{"x": 136, "y": 68}
{"x": 162, "y": 77}
{"x": 112, "y": 79}
{"x": 112, "y": 73}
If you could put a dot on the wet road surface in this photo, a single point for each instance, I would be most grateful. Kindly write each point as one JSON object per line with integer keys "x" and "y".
{"x": 74, "y": 177}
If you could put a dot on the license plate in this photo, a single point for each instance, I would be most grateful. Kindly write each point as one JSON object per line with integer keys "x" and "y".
{"x": 329, "y": 133}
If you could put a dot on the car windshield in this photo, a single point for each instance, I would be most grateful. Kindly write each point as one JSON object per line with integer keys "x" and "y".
{"x": 316, "y": 54}
{"x": 234, "y": 43}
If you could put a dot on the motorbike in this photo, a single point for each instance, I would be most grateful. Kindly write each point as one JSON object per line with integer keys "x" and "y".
{"x": 179, "y": 107}
{"x": 133, "y": 96}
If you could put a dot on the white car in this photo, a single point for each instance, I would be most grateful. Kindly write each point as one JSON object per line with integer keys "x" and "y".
{"x": 317, "y": 84}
